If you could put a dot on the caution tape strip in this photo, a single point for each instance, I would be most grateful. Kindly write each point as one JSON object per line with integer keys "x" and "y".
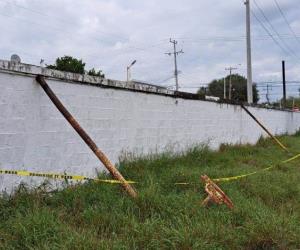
{"x": 232, "y": 178}
{"x": 256, "y": 172}
{"x": 61, "y": 176}
{"x": 84, "y": 178}
{"x": 68, "y": 177}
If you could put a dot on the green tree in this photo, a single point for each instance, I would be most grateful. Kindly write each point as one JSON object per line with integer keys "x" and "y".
{"x": 68, "y": 64}
{"x": 93, "y": 72}
{"x": 201, "y": 92}
{"x": 73, "y": 65}
{"x": 238, "y": 90}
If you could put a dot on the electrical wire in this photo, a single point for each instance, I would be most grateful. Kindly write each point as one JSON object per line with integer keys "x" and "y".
{"x": 235, "y": 38}
{"x": 290, "y": 51}
{"x": 287, "y": 22}
{"x": 63, "y": 31}
{"x": 56, "y": 18}
{"x": 268, "y": 32}
{"x": 232, "y": 39}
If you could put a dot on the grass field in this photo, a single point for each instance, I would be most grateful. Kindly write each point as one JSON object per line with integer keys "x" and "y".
{"x": 165, "y": 216}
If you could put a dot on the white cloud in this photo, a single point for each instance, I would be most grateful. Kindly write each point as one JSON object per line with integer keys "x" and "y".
{"x": 110, "y": 34}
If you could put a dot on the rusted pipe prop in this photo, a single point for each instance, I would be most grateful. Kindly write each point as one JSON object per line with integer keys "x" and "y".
{"x": 85, "y": 137}
{"x": 215, "y": 193}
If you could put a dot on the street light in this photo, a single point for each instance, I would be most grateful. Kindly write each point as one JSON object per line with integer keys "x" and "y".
{"x": 128, "y": 70}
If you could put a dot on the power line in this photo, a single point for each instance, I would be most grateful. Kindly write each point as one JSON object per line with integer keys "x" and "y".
{"x": 290, "y": 51}
{"x": 268, "y": 32}
{"x": 56, "y": 18}
{"x": 278, "y": 86}
{"x": 278, "y": 81}
{"x": 163, "y": 80}
{"x": 242, "y": 37}
{"x": 129, "y": 47}
{"x": 275, "y": 94}
{"x": 286, "y": 21}
{"x": 71, "y": 35}
{"x": 258, "y": 84}
{"x": 74, "y": 24}
{"x": 35, "y": 11}
{"x": 233, "y": 39}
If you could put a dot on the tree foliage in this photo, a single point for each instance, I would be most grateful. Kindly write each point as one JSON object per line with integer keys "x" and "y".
{"x": 202, "y": 92}
{"x": 93, "y": 72}
{"x": 74, "y": 65}
{"x": 238, "y": 90}
{"x": 68, "y": 64}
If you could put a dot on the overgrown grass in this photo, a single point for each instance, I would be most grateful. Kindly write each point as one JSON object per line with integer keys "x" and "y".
{"x": 165, "y": 216}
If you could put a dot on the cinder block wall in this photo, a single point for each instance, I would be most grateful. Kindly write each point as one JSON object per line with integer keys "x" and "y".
{"x": 34, "y": 136}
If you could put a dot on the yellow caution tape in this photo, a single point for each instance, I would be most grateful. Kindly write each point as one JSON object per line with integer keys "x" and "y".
{"x": 258, "y": 171}
{"x": 84, "y": 178}
{"x": 291, "y": 159}
{"x": 241, "y": 176}
{"x": 68, "y": 177}
{"x": 232, "y": 178}
{"x": 60, "y": 176}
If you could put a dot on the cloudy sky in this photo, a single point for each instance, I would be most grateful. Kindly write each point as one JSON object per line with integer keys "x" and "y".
{"x": 110, "y": 34}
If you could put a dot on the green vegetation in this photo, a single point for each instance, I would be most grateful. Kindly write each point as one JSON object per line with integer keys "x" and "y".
{"x": 238, "y": 90}
{"x": 68, "y": 64}
{"x": 93, "y": 72}
{"x": 291, "y": 102}
{"x": 165, "y": 216}
{"x": 73, "y": 65}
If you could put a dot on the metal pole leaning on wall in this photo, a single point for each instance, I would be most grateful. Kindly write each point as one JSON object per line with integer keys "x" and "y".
{"x": 100, "y": 155}
{"x": 264, "y": 128}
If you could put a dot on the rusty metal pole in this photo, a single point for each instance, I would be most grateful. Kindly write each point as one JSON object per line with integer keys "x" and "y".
{"x": 88, "y": 140}
{"x": 264, "y": 128}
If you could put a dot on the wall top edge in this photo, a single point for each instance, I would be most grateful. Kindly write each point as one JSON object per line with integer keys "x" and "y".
{"x": 28, "y": 69}
{"x": 33, "y": 70}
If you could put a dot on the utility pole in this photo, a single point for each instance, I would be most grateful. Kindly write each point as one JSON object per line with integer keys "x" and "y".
{"x": 249, "y": 63}
{"x": 267, "y": 96}
{"x": 268, "y": 93}
{"x": 283, "y": 84}
{"x": 175, "y": 53}
{"x": 230, "y": 81}
{"x": 224, "y": 88}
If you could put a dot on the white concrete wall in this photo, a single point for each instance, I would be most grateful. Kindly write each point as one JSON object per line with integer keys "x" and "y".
{"x": 34, "y": 136}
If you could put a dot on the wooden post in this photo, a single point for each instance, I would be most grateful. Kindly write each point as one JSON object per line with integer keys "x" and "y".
{"x": 100, "y": 155}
